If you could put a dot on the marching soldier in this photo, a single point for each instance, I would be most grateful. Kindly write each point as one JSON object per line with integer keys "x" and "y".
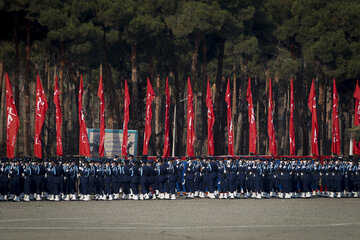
{"x": 84, "y": 172}
{"x": 16, "y": 171}
{"x": 135, "y": 179}
{"x": 99, "y": 180}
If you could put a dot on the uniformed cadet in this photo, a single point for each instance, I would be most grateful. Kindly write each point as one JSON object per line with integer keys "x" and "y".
{"x": 197, "y": 177}
{"x": 92, "y": 177}
{"x": 189, "y": 177}
{"x": 126, "y": 179}
{"x": 4, "y": 173}
{"x": 99, "y": 180}
{"x": 66, "y": 169}
{"x": 352, "y": 172}
{"x": 231, "y": 173}
{"x": 107, "y": 187}
{"x": 57, "y": 174}
{"x": 135, "y": 179}
{"x": 179, "y": 169}
{"x": 357, "y": 179}
{"x": 73, "y": 174}
{"x": 151, "y": 178}
{"x": 115, "y": 185}
{"x": 203, "y": 178}
{"x": 15, "y": 172}
{"x": 315, "y": 182}
{"x": 209, "y": 176}
{"x": 262, "y": 177}
{"x": 120, "y": 166}
{"x": 221, "y": 173}
{"x": 27, "y": 174}
{"x": 84, "y": 172}
{"x": 144, "y": 178}
{"x": 339, "y": 171}
{"x": 305, "y": 179}
{"x": 170, "y": 187}
{"x": 153, "y": 187}
{"x": 161, "y": 170}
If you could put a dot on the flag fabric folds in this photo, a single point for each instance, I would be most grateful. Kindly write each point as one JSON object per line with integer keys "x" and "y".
{"x": 335, "y": 143}
{"x": 100, "y": 94}
{"x": 314, "y": 123}
{"x": 12, "y": 119}
{"x": 126, "y": 120}
{"x": 150, "y": 95}
{"x": 40, "y": 111}
{"x": 356, "y": 144}
{"x": 210, "y": 120}
{"x": 270, "y": 124}
{"x": 84, "y": 148}
{"x": 229, "y": 120}
{"x": 56, "y": 100}
{"x": 252, "y": 122}
{"x": 190, "y": 122}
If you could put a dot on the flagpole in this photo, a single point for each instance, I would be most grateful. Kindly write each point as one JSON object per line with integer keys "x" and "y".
{"x": 174, "y": 132}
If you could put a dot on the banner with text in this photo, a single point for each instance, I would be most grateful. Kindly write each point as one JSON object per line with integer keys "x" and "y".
{"x": 113, "y": 142}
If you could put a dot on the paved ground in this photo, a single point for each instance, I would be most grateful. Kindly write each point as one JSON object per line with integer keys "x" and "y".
{"x": 183, "y": 219}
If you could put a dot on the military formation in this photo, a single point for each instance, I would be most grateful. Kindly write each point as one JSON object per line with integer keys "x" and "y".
{"x": 71, "y": 179}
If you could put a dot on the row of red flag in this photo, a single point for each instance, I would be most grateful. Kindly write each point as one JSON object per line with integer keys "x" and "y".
{"x": 12, "y": 122}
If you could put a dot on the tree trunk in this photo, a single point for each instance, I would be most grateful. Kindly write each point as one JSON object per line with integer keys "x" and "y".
{"x": 3, "y": 112}
{"x": 1, "y": 78}
{"x": 178, "y": 87}
{"x": 194, "y": 63}
{"x": 234, "y": 89}
{"x": 219, "y": 102}
{"x": 16, "y": 77}
{"x": 203, "y": 138}
{"x": 63, "y": 105}
{"x": 112, "y": 100}
{"x": 240, "y": 133}
{"x": 134, "y": 93}
{"x": 27, "y": 142}
{"x": 46, "y": 80}
{"x": 197, "y": 104}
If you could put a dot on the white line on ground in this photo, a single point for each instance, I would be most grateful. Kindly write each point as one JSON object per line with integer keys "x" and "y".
{"x": 180, "y": 227}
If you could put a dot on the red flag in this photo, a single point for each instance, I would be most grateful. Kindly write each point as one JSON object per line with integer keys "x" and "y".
{"x": 356, "y": 145}
{"x": 166, "y": 151}
{"x": 270, "y": 124}
{"x": 314, "y": 123}
{"x": 291, "y": 124}
{"x": 12, "y": 119}
{"x": 190, "y": 122}
{"x": 210, "y": 120}
{"x": 102, "y": 117}
{"x": 229, "y": 120}
{"x": 84, "y": 148}
{"x": 59, "y": 150}
{"x": 41, "y": 108}
{"x": 126, "y": 120}
{"x": 335, "y": 143}
{"x": 252, "y": 121}
{"x": 150, "y": 95}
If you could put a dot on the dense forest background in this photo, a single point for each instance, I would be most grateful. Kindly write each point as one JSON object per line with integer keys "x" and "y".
{"x": 220, "y": 39}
